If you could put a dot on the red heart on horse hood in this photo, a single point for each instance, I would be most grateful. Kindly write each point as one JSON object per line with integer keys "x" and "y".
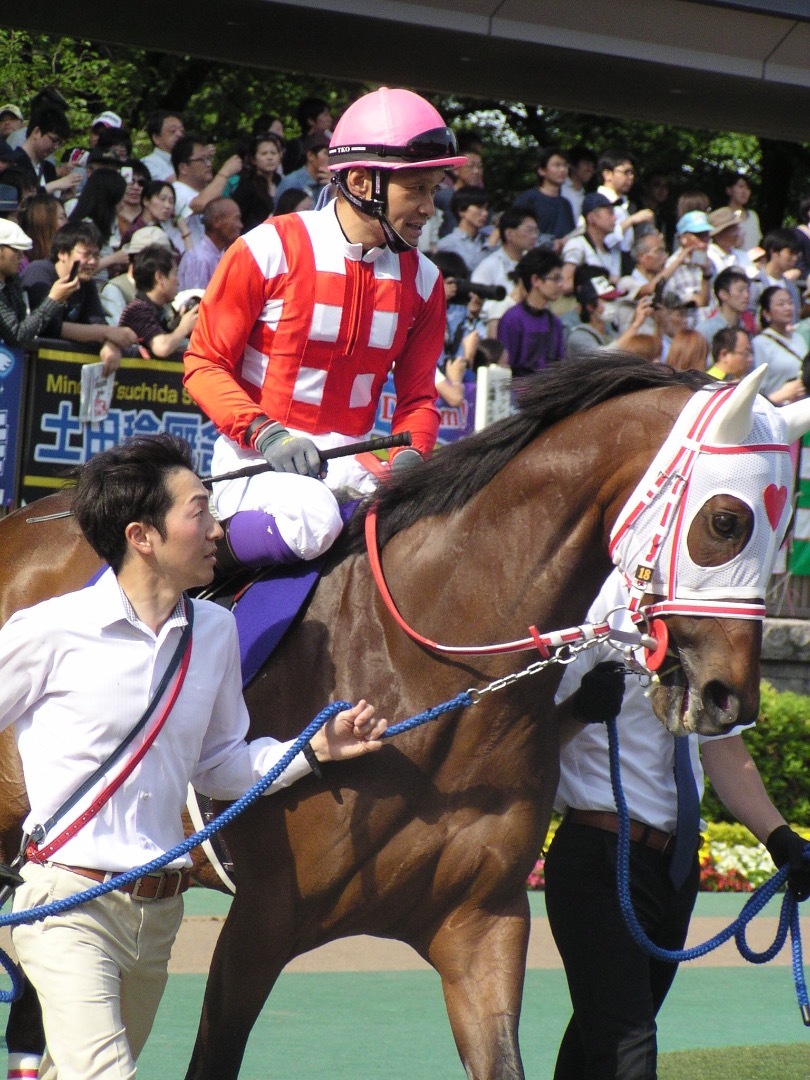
{"x": 774, "y": 498}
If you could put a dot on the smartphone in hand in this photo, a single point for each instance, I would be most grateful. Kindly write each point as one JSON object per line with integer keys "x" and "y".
{"x": 74, "y": 270}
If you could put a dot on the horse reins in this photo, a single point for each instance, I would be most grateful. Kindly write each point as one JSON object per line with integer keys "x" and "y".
{"x": 545, "y": 644}
{"x": 672, "y": 482}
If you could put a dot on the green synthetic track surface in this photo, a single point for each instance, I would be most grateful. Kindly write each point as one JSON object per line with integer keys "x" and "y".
{"x": 393, "y": 1026}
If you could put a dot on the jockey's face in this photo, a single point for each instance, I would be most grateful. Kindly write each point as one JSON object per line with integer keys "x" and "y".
{"x": 410, "y": 200}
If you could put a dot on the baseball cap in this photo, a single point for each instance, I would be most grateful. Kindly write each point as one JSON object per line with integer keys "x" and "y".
{"x": 108, "y": 119}
{"x": 11, "y": 235}
{"x": 9, "y": 108}
{"x": 9, "y": 198}
{"x": 595, "y": 201}
{"x": 145, "y": 237}
{"x": 693, "y": 222}
{"x": 597, "y": 288}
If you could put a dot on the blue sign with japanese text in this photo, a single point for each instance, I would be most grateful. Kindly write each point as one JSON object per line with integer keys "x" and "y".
{"x": 12, "y": 364}
{"x": 148, "y": 397}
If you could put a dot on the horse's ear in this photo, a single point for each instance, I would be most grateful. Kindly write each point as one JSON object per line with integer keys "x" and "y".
{"x": 797, "y": 417}
{"x": 736, "y": 418}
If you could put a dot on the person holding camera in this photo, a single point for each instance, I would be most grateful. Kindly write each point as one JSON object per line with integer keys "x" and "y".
{"x": 465, "y": 302}
{"x": 19, "y": 327}
{"x": 692, "y": 273}
{"x": 159, "y": 336}
{"x": 596, "y": 329}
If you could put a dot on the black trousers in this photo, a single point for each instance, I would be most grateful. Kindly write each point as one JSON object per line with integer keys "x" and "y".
{"x": 616, "y": 988}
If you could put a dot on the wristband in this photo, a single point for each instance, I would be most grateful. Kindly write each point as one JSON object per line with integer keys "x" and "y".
{"x": 312, "y": 760}
{"x": 254, "y": 427}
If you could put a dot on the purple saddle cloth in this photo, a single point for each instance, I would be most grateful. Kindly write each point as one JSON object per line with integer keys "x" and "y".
{"x": 267, "y": 608}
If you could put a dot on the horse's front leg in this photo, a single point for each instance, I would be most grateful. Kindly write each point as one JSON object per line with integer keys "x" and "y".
{"x": 481, "y": 957}
{"x": 248, "y": 958}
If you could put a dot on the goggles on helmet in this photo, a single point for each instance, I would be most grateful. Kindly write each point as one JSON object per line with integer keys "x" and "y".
{"x": 436, "y": 144}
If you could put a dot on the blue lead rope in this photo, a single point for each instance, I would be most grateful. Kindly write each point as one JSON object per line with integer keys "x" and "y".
{"x": 58, "y": 907}
{"x": 788, "y": 915}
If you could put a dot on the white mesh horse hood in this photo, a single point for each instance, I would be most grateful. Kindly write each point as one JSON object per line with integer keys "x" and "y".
{"x": 728, "y": 440}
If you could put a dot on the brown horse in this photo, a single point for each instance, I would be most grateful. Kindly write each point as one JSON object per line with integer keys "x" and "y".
{"x": 430, "y": 842}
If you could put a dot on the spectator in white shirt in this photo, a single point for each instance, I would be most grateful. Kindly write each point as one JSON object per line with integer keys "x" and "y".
{"x": 725, "y": 249}
{"x": 519, "y": 233}
{"x": 618, "y": 174}
{"x": 590, "y": 248}
{"x": 164, "y": 128}
{"x": 691, "y": 278}
{"x": 581, "y": 168}
{"x": 196, "y": 185}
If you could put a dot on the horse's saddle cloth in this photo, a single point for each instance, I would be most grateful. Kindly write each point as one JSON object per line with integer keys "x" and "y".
{"x": 265, "y": 603}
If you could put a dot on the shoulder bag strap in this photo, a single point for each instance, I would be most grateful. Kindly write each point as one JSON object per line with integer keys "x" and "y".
{"x": 179, "y": 665}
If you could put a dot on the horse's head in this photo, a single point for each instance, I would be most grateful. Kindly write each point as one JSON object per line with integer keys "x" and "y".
{"x": 697, "y": 542}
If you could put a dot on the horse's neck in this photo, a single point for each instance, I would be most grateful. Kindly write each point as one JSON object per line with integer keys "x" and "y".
{"x": 531, "y": 547}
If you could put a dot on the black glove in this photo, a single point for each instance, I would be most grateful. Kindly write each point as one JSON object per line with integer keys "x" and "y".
{"x": 786, "y": 847}
{"x": 600, "y": 694}
{"x": 406, "y": 459}
{"x": 288, "y": 453}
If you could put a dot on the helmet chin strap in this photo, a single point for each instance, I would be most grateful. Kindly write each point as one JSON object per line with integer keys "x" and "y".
{"x": 375, "y": 207}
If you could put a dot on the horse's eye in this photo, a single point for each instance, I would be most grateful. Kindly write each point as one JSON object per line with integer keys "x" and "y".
{"x": 726, "y": 525}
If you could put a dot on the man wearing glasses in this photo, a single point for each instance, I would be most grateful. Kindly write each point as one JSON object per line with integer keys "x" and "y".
{"x": 530, "y": 333}
{"x": 618, "y": 176}
{"x": 196, "y": 185}
{"x": 47, "y": 130}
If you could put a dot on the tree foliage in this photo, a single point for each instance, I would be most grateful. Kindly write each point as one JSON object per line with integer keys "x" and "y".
{"x": 778, "y": 744}
{"x": 222, "y": 101}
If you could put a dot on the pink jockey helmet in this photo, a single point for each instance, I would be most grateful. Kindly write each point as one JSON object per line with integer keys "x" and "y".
{"x": 393, "y": 129}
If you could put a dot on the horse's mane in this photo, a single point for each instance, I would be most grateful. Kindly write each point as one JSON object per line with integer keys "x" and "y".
{"x": 451, "y": 477}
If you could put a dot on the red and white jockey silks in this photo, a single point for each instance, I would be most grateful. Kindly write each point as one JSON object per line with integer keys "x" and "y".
{"x": 697, "y": 462}
{"x": 302, "y": 326}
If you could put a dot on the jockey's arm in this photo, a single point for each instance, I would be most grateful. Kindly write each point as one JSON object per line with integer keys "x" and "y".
{"x": 228, "y": 313}
{"x": 415, "y": 375}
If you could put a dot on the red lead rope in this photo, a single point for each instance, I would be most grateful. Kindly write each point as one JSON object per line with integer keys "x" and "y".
{"x": 544, "y": 643}
{"x": 41, "y": 855}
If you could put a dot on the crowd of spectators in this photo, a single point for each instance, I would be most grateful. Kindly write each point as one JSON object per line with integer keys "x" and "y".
{"x": 589, "y": 259}
{"x": 593, "y": 256}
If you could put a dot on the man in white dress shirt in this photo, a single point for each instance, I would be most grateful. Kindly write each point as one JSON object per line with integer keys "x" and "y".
{"x": 78, "y": 672}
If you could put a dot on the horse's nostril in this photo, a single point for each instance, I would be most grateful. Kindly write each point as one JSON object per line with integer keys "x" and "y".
{"x": 716, "y": 695}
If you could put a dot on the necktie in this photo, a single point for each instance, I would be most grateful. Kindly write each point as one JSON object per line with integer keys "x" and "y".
{"x": 687, "y": 826}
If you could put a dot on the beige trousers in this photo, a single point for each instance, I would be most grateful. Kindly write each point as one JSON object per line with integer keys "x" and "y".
{"x": 99, "y": 970}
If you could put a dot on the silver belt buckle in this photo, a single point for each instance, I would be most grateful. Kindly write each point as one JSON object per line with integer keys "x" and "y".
{"x": 136, "y": 889}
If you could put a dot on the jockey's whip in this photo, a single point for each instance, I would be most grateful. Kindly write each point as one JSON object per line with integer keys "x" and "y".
{"x": 383, "y": 442}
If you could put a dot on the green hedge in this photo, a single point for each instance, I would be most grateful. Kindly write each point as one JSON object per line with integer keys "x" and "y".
{"x": 780, "y": 745}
